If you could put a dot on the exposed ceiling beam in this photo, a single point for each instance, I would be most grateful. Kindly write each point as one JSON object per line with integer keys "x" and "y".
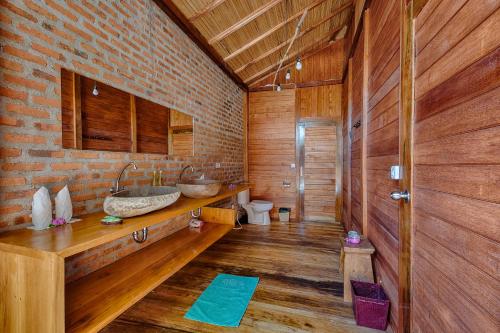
{"x": 247, "y": 19}
{"x": 272, "y": 30}
{"x": 169, "y": 8}
{"x": 306, "y": 52}
{"x": 207, "y": 9}
{"x": 280, "y": 46}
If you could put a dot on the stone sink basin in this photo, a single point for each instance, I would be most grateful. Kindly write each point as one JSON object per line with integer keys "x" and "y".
{"x": 200, "y": 188}
{"x": 140, "y": 201}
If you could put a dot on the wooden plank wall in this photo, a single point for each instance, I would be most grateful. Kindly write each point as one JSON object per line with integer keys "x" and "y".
{"x": 456, "y": 223}
{"x": 105, "y": 118}
{"x": 382, "y": 142}
{"x": 271, "y": 148}
{"x": 319, "y": 103}
{"x": 152, "y": 120}
{"x": 322, "y": 67}
{"x": 346, "y": 151}
{"x": 356, "y": 136}
{"x": 320, "y": 153}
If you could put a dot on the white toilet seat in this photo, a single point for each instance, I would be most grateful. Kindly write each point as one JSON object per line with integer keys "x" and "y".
{"x": 261, "y": 205}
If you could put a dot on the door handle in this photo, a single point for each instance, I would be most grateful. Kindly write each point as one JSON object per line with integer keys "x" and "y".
{"x": 405, "y": 195}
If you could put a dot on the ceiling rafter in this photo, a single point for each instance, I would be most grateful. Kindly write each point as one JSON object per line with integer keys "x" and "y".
{"x": 273, "y": 29}
{"x": 207, "y": 9}
{"x": 333, "y": 14}
{"x": 313, "y": 47}
{"x": 238, "y": 25}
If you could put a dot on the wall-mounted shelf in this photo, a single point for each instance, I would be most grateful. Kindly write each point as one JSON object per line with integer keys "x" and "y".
{"x": 35, "y": 297}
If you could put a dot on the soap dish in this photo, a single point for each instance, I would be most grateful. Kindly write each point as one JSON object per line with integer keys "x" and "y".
{"x": 110, "y": 220}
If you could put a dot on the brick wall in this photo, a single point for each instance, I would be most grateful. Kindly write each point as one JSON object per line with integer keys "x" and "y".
{"x": 130, "y": 45}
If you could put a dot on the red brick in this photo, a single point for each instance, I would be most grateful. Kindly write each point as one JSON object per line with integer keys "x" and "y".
{"x": 33, "y": 5}
{"x": 23, "y": 166}
{"x": 10, "y": 121}
{"x": 46, "y": 51}
{"x": 23, "y": 82}
{"x": 12, "y": 181}
{"x": 18, "y": 11}
{"x": 84, "y": 68}
{"x": 42, "y": 75}
{"x": 12, "y": 65}
{"x": 9, "y": 152}
{"x": 84, "y": 154}
{"x": 46, "y": 153}
{"x": 41, "y": 180}
{"x": 27, "y": 111}
{"x": 13, "y": 93}
{"x": 9, "y": 209}
{"x": 32, "y": 32}
{"x": 10, "y": 36}
{"x": 77, "y": 31}
{"x": 66, "y": 166}
{"x": 68, "y": 14}
{"x": 26, "y": 55}
{"x": 47, "y": 101}
{"x": 24, "y": 138}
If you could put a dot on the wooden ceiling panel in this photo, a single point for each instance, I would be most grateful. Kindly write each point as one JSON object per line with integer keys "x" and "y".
{"x": 251, "y": 36}
{"x": 313, "y": 36}
{"x": 282, "y": 37}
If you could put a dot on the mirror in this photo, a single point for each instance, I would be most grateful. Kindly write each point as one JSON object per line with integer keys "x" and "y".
{"x": 96, "y": 116}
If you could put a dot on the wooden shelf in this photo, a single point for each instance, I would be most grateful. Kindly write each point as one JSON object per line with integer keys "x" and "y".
{"x": 74, "y": 238}
{"x": 96, "y": 299}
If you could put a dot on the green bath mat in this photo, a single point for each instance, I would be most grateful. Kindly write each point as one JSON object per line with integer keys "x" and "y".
{"x": 225, "y": 300}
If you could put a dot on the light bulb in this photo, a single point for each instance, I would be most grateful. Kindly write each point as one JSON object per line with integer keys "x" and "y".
{"x": 288, "y": 75}
{"x": 298, "y": 64}
{"x": 278, "y": 87}
{"x": 95, "y": 92}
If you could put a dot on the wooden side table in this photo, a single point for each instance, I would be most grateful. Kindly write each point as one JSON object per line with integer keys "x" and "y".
{"x": 356, "y": 263}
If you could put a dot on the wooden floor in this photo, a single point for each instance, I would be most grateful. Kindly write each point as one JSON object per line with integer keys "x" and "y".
{"x": 300, "y": 287}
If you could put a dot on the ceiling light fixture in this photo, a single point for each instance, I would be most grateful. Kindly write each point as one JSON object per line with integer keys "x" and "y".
{"x": 288, "y": 74}
{"x": 95, "y": 92}
{"x": 285, "y": 55}
{"x": 298, "y": 64}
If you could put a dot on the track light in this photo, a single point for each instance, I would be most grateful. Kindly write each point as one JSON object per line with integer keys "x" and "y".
{"x": 288, "y": 74}
{"x": 298, "y": 64}
{"x": 95, "y": 92}
{"x": 278, "y": 87}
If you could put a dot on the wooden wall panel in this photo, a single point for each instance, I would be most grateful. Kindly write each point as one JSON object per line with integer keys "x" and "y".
{"x": 357, "y": 100}
{"x": 457, "y": 168}
{"x": 271, "y": 148}
{"x": 105, "y": 118}
{"x": 319, "y": 103}
{"x": 322, "y": 67}
{"x": 384, "y": 22}
{"x": 152, "y": 127}
{"x": 346, "y": 149}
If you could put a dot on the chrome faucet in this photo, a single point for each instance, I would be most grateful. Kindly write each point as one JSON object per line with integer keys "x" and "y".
{"x": 190, "y": 167}
{"x": 117, "y": 188}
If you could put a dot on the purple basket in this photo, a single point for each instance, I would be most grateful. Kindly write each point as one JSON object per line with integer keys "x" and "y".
{"x": 370, "y": 304}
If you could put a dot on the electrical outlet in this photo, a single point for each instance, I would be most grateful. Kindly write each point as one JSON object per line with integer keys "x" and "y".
{"x": 292, "y": 166}
{"x": 217, "y": 165}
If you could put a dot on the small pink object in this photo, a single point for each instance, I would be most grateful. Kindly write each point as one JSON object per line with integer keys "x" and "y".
{"x": 59, "y": 221}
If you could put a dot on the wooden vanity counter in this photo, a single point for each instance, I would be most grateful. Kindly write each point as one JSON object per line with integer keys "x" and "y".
{"x": 34, "y": 297}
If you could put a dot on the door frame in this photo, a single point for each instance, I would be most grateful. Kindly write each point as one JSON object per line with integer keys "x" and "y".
{"x": 301, "y": 126}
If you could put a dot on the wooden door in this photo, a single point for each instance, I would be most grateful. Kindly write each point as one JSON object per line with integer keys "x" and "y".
{"x": 318, "y": 152}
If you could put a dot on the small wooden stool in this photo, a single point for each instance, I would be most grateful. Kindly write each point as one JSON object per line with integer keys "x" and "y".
{"x": 356, "y": 263}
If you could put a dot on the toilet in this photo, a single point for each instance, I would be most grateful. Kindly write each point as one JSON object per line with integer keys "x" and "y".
{"x": 257, "y": 210}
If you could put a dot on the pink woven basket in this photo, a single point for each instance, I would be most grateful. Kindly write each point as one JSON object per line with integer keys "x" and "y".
{"x": 370, "y": 304}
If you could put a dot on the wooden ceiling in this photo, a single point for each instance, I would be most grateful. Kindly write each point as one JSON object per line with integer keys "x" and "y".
{"x": 248, "y": 38}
